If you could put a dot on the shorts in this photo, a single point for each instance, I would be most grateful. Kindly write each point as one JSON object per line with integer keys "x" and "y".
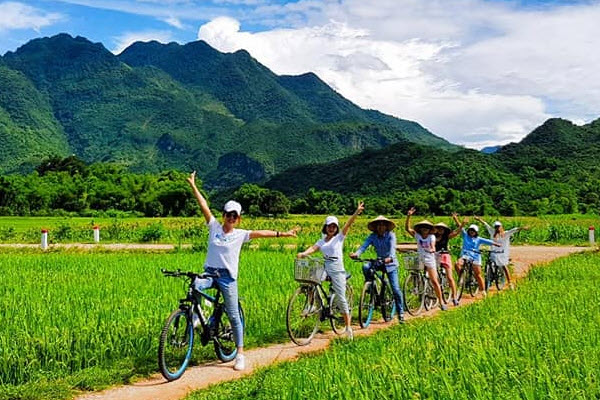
{"x": 445, "y": 259}
{"x": 428, "y": 260}
{"x": 476, "y": 258}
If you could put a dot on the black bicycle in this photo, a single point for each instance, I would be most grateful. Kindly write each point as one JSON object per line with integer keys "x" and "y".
{"x": 443, "y": 278}
{"x": 376, "y": 294}
{"x": 178, "y": 334}
{"x": 466, "y": 279}
{"x": 310, "y": 304}
{"x": 493, "y": 272}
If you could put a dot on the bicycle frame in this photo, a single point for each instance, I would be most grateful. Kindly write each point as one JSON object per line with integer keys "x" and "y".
{"x": 379, "y": 281}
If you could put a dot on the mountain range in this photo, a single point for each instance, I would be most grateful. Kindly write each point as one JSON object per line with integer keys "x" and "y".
{"x": 554, "y": 169}
{"x": 169, "y": 106}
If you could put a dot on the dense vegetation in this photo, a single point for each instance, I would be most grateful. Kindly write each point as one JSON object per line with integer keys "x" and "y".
{"x": 553, "y": 229}
{"x": 157, "y": 107}
{"x": 554, "y": 170}
{"x": 540, "y": 341}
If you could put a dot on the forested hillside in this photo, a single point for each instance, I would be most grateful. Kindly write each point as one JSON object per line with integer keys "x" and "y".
{"x": 554, "y": 169}
{"x": 157, "y": 107}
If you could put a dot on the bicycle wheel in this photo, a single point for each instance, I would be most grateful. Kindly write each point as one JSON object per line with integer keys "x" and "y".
{"x": 175, "y": 345}
{"x": 367, "y": 303}
{"x": 472, "y": 283}
{"x": 388, "y": 305}
{"x": 445, "y": 286}
{"x": 303, "y": 315}
{"x": 338, "y": 324}
{"x": 413, "y": 293}
{"x": 224, "y": 342}
{"x": 461, "y": 284}
{"x": 430, "y": 300}
{"x": 500, "y": 277}
{"x": 490, "y": 275}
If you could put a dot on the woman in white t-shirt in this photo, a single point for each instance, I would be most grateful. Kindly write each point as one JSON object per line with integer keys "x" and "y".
{"x": 223, "y": 255}
{"x": 502, "y": 255}
{"x": 423, "y": 232}
{"x": 332, "y": 247}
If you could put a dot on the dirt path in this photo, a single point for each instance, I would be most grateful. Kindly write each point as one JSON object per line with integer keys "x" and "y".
{"x": 202, "y": 376}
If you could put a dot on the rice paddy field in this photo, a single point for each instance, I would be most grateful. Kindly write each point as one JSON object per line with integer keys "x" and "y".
{"x": 539, "y": 342}
{"x": 552, "y": 229}
{"x": 83, "y": 320}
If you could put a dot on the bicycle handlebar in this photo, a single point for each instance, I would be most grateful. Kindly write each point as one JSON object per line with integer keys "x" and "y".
{"x": 481, "y": 251}
{"x": 378, "y": 259}
{"x": 188, "y": 274}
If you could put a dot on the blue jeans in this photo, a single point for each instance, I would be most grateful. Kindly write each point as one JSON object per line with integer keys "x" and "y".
{"x": 394, "y": 283}
{"x": 229, "y": 288}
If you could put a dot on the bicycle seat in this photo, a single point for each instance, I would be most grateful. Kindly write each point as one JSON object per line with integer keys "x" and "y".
{"x": 348, "y": 276}
{"x": 205, "y": 275}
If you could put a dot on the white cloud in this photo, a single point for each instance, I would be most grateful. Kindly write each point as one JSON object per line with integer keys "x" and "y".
{"x": 175, "y": 22}
{"x": 128, "y": 38}
{"x": 14, "y": 15}
{"x": 474, "y": 72}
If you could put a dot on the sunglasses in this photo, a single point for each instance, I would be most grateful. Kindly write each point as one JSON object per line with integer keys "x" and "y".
{"x": 231, "y": 214}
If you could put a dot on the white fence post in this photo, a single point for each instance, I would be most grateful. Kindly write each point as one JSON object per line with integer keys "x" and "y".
{"x": 591, "y": 236}
{"x": 96, "y": 233}
{"x": 44, "y": 243}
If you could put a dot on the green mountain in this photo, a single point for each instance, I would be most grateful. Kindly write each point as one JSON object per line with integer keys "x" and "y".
{"x": 552, "y": 170}
{"x": 28, "y": 129}
{"x": 156, "y": 107}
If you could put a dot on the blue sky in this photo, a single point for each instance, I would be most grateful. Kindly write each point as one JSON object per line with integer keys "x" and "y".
{"x": 477, "y": 72}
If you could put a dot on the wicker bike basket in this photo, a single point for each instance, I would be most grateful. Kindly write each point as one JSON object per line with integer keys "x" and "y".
{"x": 412, "y": 263}
{"x": 309, "y": 270}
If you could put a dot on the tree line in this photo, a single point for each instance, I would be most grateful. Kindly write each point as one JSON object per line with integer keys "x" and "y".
{"x": 68, "y": 186}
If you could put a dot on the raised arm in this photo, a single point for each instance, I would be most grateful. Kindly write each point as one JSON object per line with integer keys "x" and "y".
{"x": 271, "y": 234}
{"x": 407, "y": 226}
{"x": 490, "y": 230}
{"x": 308, "y": 251}
{"x": 461, "y": 225}
{"x": 201, "y": 200}
{"x": 348, "y": 224}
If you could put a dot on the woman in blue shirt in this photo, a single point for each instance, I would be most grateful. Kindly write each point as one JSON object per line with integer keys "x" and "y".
{"x": 470, "y": 249}
{"x": 384, "y": 242}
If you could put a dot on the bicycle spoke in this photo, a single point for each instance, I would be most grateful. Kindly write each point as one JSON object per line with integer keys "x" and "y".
{"x": 304, "y": 314}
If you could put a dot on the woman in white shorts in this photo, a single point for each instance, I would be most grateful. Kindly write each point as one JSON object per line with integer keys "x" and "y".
{"x": 422, "y": 231}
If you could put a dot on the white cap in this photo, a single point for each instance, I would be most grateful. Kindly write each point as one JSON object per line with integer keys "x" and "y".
{"x": 332, "y": 220}
{"x": 497, "y": 223}
{"x": 474, "y": 227}
{"x": 233, "y": 205}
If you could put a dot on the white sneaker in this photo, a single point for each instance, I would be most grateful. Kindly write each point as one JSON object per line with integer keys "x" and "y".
{"x": 349, "y": 333}
{"x": 195, "y": 320}
{"x": 240, "y": 363}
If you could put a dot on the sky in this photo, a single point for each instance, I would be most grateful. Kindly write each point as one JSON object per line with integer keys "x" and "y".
{"x": 475, "y": 72}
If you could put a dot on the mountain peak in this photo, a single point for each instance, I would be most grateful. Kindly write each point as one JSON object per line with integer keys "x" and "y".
{"x": 50, "y": 58}
{"x": 552, "y": 132}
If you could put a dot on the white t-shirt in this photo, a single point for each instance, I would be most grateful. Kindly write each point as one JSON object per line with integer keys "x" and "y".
{"x": 424, "y": 247}
{"x": 501, "y": 255}
{"x": 224, "y": 248}
{"x": 334, "y": 248}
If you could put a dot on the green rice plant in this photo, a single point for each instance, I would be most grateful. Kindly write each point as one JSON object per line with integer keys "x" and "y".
{"x": 561, "y": 229}
{"x": 72, "y": 319}
{"x": 541, "y": 341}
